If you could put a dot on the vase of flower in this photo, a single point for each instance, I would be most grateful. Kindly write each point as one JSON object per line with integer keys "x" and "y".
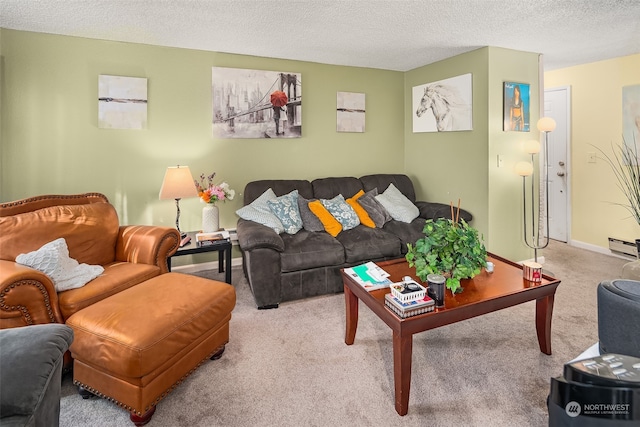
{"x": 210, "y": 218}
{"x": 211, "y": 193}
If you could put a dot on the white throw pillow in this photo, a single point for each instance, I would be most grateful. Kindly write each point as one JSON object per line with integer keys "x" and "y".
{"x": 258, "y": 211}
{"x": 399, "y": 207}
{"x": 53, "y": 260}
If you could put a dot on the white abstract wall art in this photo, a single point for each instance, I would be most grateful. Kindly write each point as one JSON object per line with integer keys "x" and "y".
{"x": 444, "y": 105}
{"x": 350, "y": 112}
{"x": 122, "y": 102}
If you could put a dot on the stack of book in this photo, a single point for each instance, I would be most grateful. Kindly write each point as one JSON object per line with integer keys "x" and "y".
{"x": 208, "y": 239}
{"x": 408, "y": 299}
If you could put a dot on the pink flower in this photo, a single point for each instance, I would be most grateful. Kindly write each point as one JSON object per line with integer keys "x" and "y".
{"x": 212, "y": 193}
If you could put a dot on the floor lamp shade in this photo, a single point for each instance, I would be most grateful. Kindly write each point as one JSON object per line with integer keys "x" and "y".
{"x": 546, "y": 124}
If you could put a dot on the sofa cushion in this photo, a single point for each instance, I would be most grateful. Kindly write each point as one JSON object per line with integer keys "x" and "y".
{"x": 286, "y": 209}
{"x": 31, "y": 360}
{"x": 376, "y": 211}
{"x": 258, "y": 211}
{"x": 328, "y": 188}
{"x": 53, "y": 260}
{"x": 90, "y": 230}
{"x": 310, "y": 221}
{"x": 407, "y": 233}
{"x": 307, "y": 249}
{"x": 341, "y": 211}
{"x": 366, "y": 244}
{"x": 399, "y": 207}
{"x": 363, "y": 216}
{"x": 255, "y": 189}
{"x": 117, "y": 277}
{"x": 330, "y": 224}
{"x": 381, "y": 182}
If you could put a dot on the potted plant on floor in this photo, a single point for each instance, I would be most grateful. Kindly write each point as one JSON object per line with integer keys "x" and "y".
{"x": 450, "y": 247}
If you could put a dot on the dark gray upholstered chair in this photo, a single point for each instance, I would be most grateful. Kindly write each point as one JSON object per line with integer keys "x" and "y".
{"x": 619, "y": 317}
{"x": 31, "y": 359}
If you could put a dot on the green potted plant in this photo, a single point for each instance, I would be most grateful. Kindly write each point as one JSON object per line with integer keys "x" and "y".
{"x": 450, "y": 248}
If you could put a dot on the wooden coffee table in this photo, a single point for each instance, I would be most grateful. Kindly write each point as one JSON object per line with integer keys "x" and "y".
{"x": 485, "y": 293}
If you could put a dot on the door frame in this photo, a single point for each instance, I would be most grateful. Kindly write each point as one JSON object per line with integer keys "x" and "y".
{"x": 567, "y": 89}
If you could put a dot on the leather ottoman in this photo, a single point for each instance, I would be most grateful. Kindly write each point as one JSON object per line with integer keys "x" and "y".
{"x": 134, "y": 347}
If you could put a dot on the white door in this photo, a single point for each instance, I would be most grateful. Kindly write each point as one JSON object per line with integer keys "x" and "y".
{"x": 556, "y": 105}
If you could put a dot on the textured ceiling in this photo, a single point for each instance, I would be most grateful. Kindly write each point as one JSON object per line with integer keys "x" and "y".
{"x": 387, "y": 34}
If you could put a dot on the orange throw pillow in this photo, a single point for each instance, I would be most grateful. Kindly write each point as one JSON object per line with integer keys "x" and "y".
{"x": 330, "y": 224}
{"x": 365, "y": 219}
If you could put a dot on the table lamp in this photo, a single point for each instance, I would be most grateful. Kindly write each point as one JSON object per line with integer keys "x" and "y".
{"x": 178, "y": 184}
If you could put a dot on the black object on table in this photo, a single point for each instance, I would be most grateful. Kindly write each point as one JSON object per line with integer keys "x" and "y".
{"x": 223, "y": 247}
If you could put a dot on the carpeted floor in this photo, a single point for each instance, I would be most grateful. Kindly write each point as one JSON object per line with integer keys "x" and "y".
{"x": 290, "y": 366}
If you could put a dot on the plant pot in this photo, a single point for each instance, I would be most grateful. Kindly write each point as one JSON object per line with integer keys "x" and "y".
{"x": 638, "y": 248}
{"x": 210, "y": 219}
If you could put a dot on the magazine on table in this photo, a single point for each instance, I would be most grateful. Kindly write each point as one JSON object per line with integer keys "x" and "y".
{"x": 369, "y": 275}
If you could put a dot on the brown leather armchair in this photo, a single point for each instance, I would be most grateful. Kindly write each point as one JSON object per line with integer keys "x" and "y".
{"x": 89, "y": 223}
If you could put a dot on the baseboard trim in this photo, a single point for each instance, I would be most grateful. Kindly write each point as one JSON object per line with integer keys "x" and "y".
{"x": 211, "y": 265}
{"x": 599, "y": 249}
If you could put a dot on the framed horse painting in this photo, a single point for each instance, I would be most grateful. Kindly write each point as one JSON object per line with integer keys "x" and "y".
{"x": 444, "y": 105}
{"x": 516, "y": 107}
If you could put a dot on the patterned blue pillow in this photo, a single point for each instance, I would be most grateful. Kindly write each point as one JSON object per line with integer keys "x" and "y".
{"x": 286, "y": 209}
{"x": 341, "y": 211}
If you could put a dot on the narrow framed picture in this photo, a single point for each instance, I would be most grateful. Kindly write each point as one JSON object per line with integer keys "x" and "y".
{"x": 350, "y": 110}
{"x": 516, "y": 107}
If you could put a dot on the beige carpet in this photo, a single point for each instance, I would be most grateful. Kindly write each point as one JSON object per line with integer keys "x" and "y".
{"x": 290, "y": 366}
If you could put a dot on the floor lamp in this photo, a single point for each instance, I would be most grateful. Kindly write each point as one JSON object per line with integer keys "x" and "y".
{"x": 524, "y": 169}
{"x": 178, "y": 184}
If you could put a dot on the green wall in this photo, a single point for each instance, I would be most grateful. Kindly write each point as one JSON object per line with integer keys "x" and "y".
{"x": 448, "y": 166}
{"x": 51, "y": 142}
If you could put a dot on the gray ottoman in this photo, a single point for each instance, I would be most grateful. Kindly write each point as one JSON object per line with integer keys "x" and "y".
{"x": 619, "y": 317}
{"x": 31, "y": 373}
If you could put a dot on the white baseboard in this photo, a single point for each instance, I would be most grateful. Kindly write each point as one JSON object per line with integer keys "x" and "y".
{"x": 599, "y": 249}
{"x": 211, "y": 265}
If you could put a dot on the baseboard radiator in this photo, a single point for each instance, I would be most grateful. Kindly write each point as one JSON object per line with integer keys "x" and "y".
{"x": 623, "y": 247}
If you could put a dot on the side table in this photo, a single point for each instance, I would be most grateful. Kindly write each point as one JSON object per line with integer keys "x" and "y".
{"x": 223, "y": 247}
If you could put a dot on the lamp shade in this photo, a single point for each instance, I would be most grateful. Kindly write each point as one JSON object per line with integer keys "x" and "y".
{"x": 524, "y": 168}
{"x": 532, "y": 146}
{"x": 178, "y": 183}
{"x": 546, "y": 124}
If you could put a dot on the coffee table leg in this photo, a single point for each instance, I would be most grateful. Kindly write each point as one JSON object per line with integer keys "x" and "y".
{"x": 351, "y": 307}
{"x": 544, "y": 312}
{"x": 402, "y": 353}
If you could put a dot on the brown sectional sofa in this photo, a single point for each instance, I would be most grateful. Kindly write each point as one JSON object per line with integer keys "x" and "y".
{"x": 284, "y": 267}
